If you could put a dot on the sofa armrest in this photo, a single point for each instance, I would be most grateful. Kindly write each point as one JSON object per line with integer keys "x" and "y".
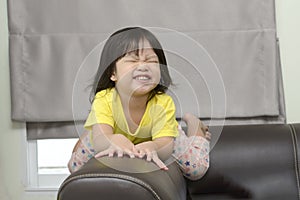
{"x": 123, "y": 178}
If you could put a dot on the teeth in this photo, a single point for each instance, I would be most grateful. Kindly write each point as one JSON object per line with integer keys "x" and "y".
{"x": 142, "y": 78}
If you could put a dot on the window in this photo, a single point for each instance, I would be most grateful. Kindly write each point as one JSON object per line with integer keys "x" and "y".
{"x": 47, "y": 162}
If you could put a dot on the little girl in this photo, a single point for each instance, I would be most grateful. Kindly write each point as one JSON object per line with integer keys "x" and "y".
{"x": 132, "y": 115}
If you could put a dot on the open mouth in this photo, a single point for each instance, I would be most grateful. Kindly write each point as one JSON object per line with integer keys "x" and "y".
{"x": 142, "y": 78}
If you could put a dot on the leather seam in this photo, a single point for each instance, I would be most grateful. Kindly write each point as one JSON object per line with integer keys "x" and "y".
{"x": 109, "y": 175}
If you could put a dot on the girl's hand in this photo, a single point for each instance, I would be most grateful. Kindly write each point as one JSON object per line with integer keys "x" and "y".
{"x": 120, "y": 145}
{"x": 148, "y": 149}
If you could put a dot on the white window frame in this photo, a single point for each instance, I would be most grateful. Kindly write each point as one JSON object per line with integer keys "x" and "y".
{"x": 33, "y": 181}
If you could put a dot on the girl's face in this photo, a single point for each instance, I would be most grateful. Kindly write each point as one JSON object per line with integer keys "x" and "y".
{"x": 137, "y": 75}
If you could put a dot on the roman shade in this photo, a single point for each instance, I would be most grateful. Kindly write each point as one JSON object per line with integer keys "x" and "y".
{"x": 223, "y": 57}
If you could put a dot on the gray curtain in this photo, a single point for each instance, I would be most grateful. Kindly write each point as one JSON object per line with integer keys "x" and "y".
{"x": 223, "y": 57}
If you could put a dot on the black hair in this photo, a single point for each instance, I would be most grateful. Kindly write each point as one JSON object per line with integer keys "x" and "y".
{"x": 117, "y": 46}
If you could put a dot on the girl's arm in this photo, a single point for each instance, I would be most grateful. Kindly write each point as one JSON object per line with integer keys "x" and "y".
{"x": 101, "y": 136}
{"x": 164, "y": 147}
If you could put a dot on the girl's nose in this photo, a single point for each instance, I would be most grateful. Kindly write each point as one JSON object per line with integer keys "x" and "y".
{"x": 142, "y": 66}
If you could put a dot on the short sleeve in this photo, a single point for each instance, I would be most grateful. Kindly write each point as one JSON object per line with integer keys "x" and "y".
{"x": 101, "y": 112}
{"x": 164, "y": 122}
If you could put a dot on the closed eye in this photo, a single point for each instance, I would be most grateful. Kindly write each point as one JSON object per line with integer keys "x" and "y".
{"x": 130, "y": 60}
{"x": 152, "y": 61}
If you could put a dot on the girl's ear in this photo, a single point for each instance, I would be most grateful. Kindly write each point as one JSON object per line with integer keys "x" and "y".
{"x": 113, "y": 77}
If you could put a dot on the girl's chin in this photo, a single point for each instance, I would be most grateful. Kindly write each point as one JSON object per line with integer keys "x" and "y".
{"x": 143, "y": 90}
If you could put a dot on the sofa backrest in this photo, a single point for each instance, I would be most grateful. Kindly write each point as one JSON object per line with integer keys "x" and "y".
{"x": 252, "y": 162}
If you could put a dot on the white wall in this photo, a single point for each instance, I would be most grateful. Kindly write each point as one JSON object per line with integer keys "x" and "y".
{"x": 12, "y": 134}
{"x": 288, "y": 29}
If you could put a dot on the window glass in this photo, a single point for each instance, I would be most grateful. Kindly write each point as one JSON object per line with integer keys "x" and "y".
{"x": 53, "y": 155}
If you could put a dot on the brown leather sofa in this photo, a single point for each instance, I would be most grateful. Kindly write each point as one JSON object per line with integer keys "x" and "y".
{"x": 246, "y": 162}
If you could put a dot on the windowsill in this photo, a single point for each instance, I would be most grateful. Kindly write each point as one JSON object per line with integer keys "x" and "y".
{"x": 49, "y": 190}
{"x": 55, "y": 181}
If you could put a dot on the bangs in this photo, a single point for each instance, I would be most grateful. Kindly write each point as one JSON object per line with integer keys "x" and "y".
{"x": 131, "y": 40}
{"x": 134, "y": 46}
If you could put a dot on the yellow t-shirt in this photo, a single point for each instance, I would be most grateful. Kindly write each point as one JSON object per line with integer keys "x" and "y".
{"x": 158, "y": 120}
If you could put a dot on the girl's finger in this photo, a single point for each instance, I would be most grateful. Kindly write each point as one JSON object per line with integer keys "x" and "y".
{"x": 149, "y": 155}
{"x": 129, "y": 153}
{"x": 102, "y": 153}
{"x": 120, "y": 153}
{"x": 111, "y": 152}
{"x": 142, "y": 154}
{"x": 135, "y": 151}
{"x": 158, "y": 162}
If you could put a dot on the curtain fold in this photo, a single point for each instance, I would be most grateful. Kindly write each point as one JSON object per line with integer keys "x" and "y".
{"x": 232, "y": 72}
